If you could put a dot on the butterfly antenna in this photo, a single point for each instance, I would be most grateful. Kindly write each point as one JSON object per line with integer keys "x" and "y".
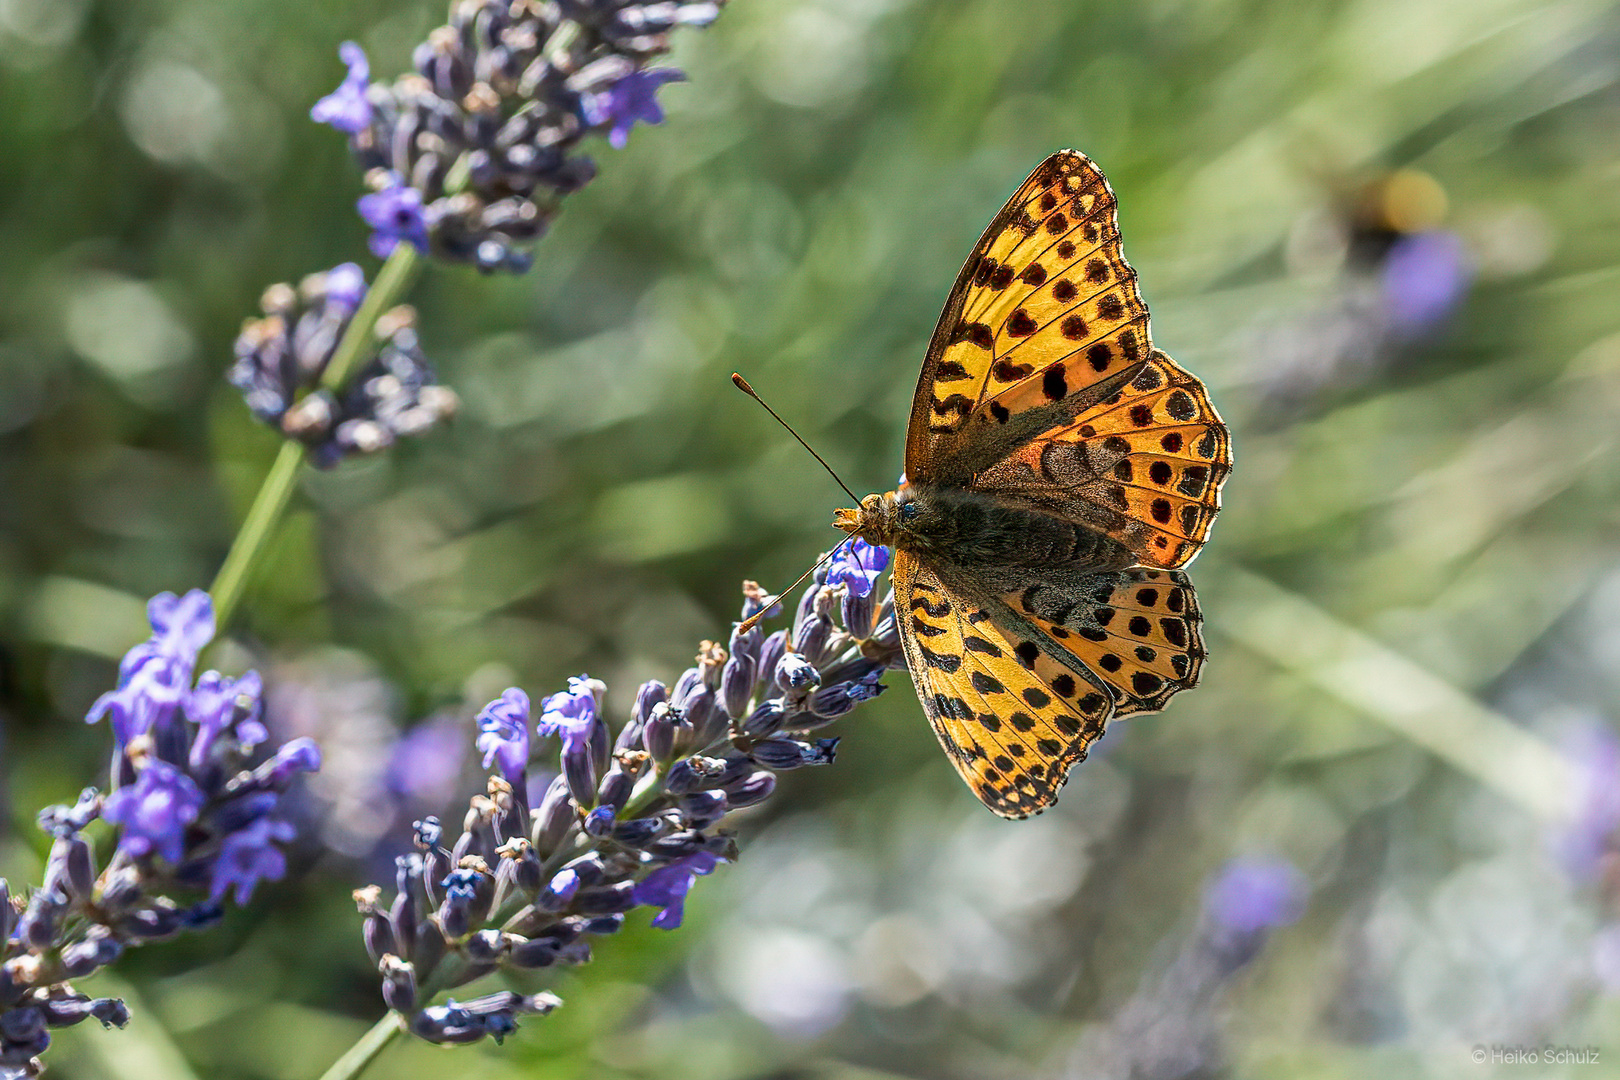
{"x": 753, "y": 620}
{"x": 742, "y": 384}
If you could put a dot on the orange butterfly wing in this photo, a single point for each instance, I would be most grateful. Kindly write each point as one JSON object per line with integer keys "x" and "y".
{"x": 987, "y": 692}
{"x": 1145, "y": 466}
{"x": 1044, "y": 320}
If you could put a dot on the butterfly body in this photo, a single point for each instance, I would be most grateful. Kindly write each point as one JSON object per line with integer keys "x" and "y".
{"x": 971, "y": 529}
{"x": 1061, "y": 470}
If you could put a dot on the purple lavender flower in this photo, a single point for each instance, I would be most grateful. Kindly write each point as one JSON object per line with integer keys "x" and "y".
{"x": 1425, "y": 276}
{"x": 1592, "y": 835}
{"x": 213, "y": 706}
{"x": 154, "y": 811}
{"x": 345, "y": 286}
{"x": 633, "y": 820}
{"x": 155, "y": 677}
{"x": 503, "y": 733}
{"x": 394, "y": 213}
{"x": 346, "y": 108}
{"x": 1256, "y": 893}
{"x": 632, "y": 98}
{"x": 857, "y": 566}
{"x": 570, "y": 714}
{"x": 249, "y": 856}
{"x": 666, "y": 887}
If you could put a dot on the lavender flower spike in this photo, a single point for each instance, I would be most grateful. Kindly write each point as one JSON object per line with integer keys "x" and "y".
{"x": 193, "y": 791}
{"x": 486, "y": 131}
{"x": 629, "y": 822}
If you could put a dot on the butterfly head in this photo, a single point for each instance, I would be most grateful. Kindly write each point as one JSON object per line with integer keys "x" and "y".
{"x": 878, "y": 520}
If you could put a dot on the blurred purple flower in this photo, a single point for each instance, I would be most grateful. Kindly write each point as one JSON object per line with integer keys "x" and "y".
{"x": 154, "y": 811}
{"x": 1425, "y": 276}
{"x": 1254, "y": 893}
{"x": 1582, "y": 844}
{"x": 249, "y": 856}
{"x": 857, "y": 566}
{"x": 632, "y": 98}
{"x": 667, "y": 887}
{"x": 395, "y": 213}
{"x": 426, "y": 761}
{"x": 1606, "y": 958}
{"x": 503, "y": 733}
{"x": 346, "y": 108}
{"x": 570, "y": 714}
{"x": 345, "y": 285}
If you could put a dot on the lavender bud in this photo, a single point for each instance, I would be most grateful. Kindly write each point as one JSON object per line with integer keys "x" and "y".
{"x": 703, "y": 808}
{"x": 794, "y": 672}
{"x": 534, "y": 953}
{"x": 402, "y": 916}
{"x": 693, "y": 774}
{"x": 640, "y": 831}
{"x": 606, "y": 899}
{"x": 112, "y": 1012}
{"x": 599, "y": 822}
{"x": 806, "y": 611}
{"x": 737, "y": 683}
{"x": 766, "y": 720}
{"x": 810, "y": 641}
{"x": 554, "y": 818}
{"x": 659, "y": 737}
{"x": 8, "y": 914}
{"x": 755, "y": 788}
{"x": 98, "y": 949}
{"x": 485, "y": 947}
{"x": 429, "y": 833}
{"x": 678, "y": 845}
{"x": 398, "y": 984}
{"x": 605, "y": 924}
{"x": 71, "y": 868}
{"x": 771, "y": 653}
{"x": 615, "y": 788}
{"x": 632, "y": 737}
{"x": 559, "y": 891}
{"x": 781, "y": 755}
{"x": 859, "y": 612}
{"x": 580, "y": 772}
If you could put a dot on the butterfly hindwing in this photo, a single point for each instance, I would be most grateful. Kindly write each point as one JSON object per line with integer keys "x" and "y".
{"x": 1044, "y": 320}
{"x": 1145, "y": 466}
{"x": 1012, "y": 719}
{"x": 1137, "y": 631}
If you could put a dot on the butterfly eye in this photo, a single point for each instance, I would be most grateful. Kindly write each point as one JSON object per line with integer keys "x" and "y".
{"x": 908, "y": 512}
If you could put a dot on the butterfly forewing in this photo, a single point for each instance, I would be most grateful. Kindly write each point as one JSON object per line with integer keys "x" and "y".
{"x": 1044, "y": 319}
{"x": 989, "y": 693}
{"x": 1144, "y": 466}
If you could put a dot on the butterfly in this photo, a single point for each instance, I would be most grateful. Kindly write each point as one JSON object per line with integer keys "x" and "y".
{"x": 1059, "y": 471}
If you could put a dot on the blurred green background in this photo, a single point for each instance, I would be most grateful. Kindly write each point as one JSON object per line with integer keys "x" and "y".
{"x": 1385, "y": 232}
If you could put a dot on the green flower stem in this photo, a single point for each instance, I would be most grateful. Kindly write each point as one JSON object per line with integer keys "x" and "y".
{"x": 364, "y": 1052}
{"x": 275, "y": 495}
{"x": 393, "y": 280}
{"x": 257, "y": 527}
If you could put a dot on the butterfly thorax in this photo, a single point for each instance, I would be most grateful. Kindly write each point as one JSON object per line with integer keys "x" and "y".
{"x": 970, "y": 528}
